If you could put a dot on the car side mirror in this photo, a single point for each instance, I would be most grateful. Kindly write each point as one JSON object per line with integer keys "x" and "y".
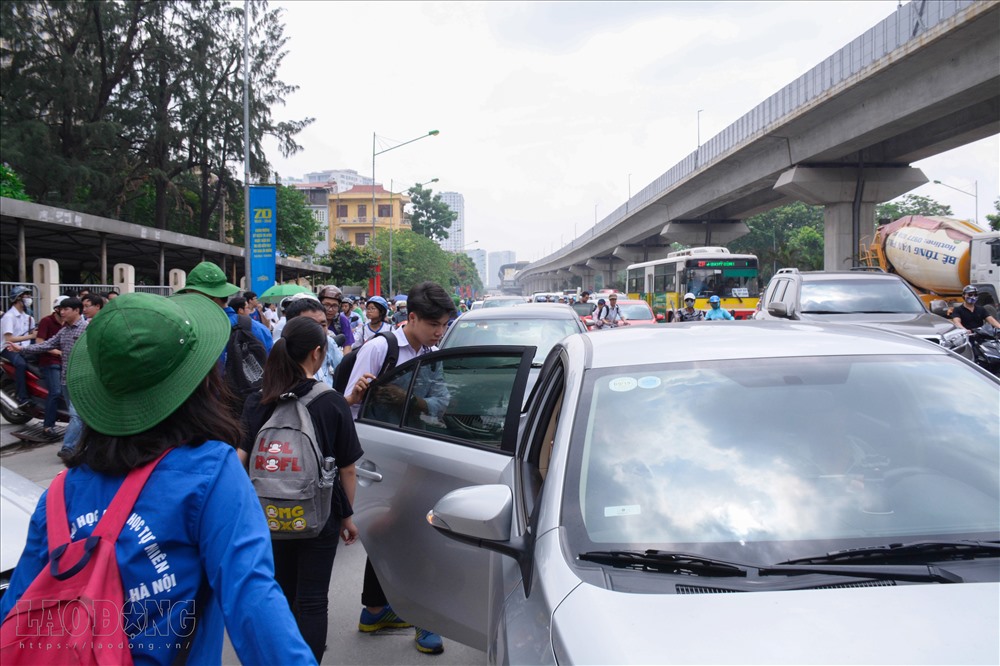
{"x": 659, "y": 316}
{"x": 939, "y": 307}
{"x": 482, "y": 516}
{"x": 777, "y": 309}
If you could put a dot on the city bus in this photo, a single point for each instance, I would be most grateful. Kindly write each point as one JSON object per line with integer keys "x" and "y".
{"x": 703, "y": 271}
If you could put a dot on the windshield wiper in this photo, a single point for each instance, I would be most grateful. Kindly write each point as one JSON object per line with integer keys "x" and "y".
{"x": 935, "y": 550}
{"x": 663, "y": 561}
{"x": 918, "y": 573}
{"x": 825, "y": 312}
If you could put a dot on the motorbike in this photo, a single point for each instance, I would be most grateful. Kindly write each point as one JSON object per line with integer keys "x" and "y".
{"x": 37, "y": 391}
{"x": 986, "y": 348}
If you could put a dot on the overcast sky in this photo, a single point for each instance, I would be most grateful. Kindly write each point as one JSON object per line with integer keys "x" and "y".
{"x": 544, "y": 109}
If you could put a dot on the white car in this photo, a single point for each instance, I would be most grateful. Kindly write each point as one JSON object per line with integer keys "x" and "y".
{"x": 18, "y": 498}
{"x": 767, "y": 493}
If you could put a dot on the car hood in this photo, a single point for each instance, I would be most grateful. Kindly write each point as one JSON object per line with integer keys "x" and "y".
{"x": 18, "y": 498}
{"x": 922, "y": 325}
{"x": 907, "y": 624}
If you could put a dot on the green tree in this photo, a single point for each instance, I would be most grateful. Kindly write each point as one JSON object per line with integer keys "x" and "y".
{"x": 298, "y": 228}
{"x": 772, "y": 234}
{"x": 430, "y": 215}
{"x": 465, "y": 273}
{"x": 10, "y": 185}
{"x": 349, "y": 264}
{"x": 910, "y": 204}
{"x": 415, "y": 258}
{"x": 134, "y": 110}
{"x": 994, "y": 218}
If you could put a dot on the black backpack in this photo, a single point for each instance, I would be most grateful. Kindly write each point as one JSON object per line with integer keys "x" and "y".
{"x": 343, "y": 372}
{"x": 245, "y": 358}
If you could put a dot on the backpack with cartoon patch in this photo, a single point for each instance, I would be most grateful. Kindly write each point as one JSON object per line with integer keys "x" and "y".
{"x": 293, "y": 479}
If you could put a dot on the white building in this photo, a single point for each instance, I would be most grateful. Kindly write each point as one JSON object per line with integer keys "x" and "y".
{"x": 479, "y": 259}
{"x": 456, "y": 234}
{"x": 493, "y": 263}
{"x": 345, "y": 179}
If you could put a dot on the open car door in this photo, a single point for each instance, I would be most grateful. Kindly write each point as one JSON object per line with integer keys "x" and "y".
{"x": 439, "y": 422}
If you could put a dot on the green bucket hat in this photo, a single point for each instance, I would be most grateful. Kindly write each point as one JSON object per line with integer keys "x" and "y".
{"x": 142, "y": 358}
{"x": 209, "y": 279}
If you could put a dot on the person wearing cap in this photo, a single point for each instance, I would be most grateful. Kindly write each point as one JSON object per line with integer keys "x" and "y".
{"x": 16, "y": 325}
{"x": 65, "y": 339}
{"x": 610, "y": 315}
{"x": 50, "y": 365}
{"x": 331, "y": 297}
{"x": 969, "y": 316}
{"x": 717, "y": 313}
{"x": 688, "y": 312}
{"x": 208, "y": 280}
{"x": 144, "y": 378}
{"x": 377, "y": 311}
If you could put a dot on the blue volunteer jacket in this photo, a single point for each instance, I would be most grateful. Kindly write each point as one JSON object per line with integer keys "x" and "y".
{"x": 197, "y": 521}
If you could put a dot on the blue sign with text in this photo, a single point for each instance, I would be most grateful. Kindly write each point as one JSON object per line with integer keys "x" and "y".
{"x": 263, "y": 236}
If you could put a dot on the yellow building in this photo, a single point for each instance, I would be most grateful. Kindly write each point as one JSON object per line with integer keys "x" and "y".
{"x": 350, "y": 213}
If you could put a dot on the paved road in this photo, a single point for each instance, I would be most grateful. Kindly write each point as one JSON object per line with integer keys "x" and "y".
{"x": 345, "y": 644}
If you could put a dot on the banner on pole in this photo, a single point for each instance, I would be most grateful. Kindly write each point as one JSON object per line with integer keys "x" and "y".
{"x": 263, "y": 237}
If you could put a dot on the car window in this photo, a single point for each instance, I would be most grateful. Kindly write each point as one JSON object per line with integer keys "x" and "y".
{"x": 636, "y": 311}
{"x": 542, "y": 334}
{"x": 856, "y": 295}
{"x": 583, "y": 309}
{"x": 463, "y": 396}
{"x": 841, "y": 449}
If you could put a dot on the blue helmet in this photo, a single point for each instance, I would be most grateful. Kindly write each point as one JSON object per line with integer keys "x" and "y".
{"x": 713, "y": 299}
{"x": 381, "y": 302}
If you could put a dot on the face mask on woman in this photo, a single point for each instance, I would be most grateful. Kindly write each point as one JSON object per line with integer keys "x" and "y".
{"x": 27, "y": 302}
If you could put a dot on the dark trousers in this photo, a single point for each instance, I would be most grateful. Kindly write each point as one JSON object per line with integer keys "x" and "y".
{"x": 303, "y": 568}
{"x": 20, "y": 373}
{"x": 52, "y": 374}
{"x": 372, "y": 594}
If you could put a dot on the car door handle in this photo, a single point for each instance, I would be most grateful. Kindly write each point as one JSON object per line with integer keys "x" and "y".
{"x": 368, "y": 474}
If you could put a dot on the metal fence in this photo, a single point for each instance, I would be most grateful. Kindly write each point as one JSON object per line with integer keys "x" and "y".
{"x": 5, "y": 289}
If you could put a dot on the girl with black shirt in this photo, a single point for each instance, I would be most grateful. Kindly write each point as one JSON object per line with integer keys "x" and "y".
{"x": 303, "y": 567}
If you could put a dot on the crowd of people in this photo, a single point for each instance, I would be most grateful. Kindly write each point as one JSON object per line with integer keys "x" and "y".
{"x": 147, "y": 381}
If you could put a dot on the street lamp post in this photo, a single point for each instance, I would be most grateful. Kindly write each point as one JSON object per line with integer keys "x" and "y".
{"x": 376, "y": 286}
{"x": 392, "y": 211}
{"x": 974, "y": 194}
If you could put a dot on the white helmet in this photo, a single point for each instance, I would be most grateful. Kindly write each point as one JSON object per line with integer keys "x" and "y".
{"x": 689, "y": 296}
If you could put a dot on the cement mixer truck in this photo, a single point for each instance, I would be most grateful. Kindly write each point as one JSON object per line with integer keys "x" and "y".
{"x": 938, "y": 256}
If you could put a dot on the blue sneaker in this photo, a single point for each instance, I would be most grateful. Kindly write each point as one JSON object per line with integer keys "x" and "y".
{"x": 428, "y": 642}
{"x": 386, "y": 619}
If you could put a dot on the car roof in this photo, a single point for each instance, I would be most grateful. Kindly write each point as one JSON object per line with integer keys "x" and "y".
{"x": 840, "y": 275}
{"x": 523, "y": 311}
{"x": 710, "y": 341}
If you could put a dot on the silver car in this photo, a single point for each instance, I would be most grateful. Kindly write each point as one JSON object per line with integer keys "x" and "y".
{"x": 765, "y": 493}
{"x": 866, "y": 297}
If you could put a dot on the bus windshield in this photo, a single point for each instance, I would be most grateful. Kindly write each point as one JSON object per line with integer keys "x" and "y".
{"x": 723, "y": 282}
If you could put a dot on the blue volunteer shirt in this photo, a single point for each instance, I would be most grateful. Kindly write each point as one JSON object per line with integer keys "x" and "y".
{"x": 259, "y": 331}
{"x": 197, "y": 520}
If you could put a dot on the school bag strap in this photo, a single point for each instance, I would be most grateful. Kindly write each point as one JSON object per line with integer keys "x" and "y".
{"x": 108, "y": 527}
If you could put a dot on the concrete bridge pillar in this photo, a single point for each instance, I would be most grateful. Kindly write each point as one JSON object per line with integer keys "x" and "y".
{"x": 837, "y": 190}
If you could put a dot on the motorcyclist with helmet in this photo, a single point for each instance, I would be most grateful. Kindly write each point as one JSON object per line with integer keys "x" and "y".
{"x": 689, "y": 313}
{"x": 717, "y": 312}
{"x": 377, "y": 310}
{"x": 17, "y": 325}
{"x": 970, "y": 316}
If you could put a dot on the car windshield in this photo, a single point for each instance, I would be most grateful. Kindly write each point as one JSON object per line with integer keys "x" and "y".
{"x": 583, "y": 309}
{"x": 764, "y": 460}
{"x": 856, "y": 296}
{"x": 501, "y": 302}
{"x": 541, "y": 333}
{"x": 636, "y": 311}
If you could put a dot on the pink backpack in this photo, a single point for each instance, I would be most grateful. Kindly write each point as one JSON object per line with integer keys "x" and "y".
{"x": 72, "y": 612}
